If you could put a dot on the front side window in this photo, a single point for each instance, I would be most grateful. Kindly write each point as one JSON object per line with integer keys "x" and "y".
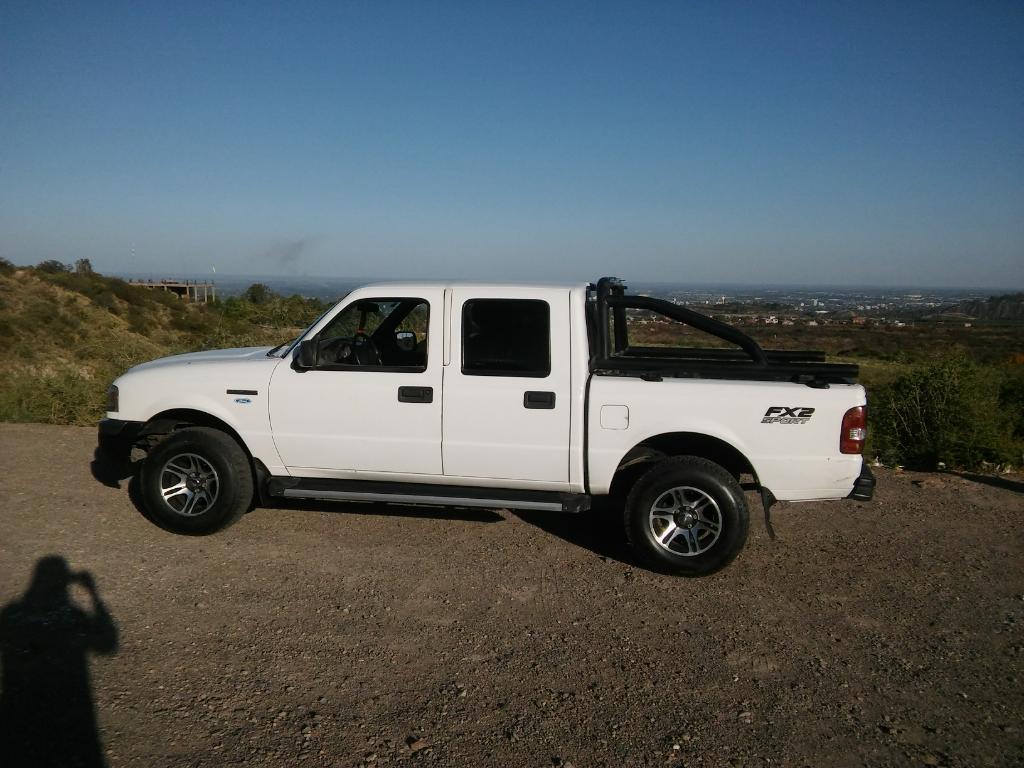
{"x": 506, "y": 337}
{"x": 383, "y": 334}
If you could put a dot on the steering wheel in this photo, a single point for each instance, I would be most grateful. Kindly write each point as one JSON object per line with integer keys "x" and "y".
{"x": 338, "y": 352}
{"x": 365, "y": 350}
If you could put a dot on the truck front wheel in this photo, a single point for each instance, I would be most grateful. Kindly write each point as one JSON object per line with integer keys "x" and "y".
{"x": 196, "y": 481}
{"x": 687, "y": 516}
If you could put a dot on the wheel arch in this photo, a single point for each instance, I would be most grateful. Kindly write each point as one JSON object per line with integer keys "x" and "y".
{"x": 649, "y": 451}
{"x": 174, "y": 419}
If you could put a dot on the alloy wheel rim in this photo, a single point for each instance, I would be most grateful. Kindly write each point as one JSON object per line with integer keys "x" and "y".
{"x": 685, "y": 521}
{"x": 189, "y": 484}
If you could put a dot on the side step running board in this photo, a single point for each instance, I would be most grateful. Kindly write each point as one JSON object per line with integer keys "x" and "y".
{"x": 425, "y": 493}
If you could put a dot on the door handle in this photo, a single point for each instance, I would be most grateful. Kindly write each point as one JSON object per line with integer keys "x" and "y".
{"x": 415, "y": 394}
{"x": 539, "y": 400}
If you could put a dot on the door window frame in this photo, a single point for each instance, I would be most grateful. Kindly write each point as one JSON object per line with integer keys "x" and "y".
{"x": 466, "y": 323}
{"x": 417, "y": 300}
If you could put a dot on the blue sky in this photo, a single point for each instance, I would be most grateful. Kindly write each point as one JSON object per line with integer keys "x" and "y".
{"x": 809, "y": 143}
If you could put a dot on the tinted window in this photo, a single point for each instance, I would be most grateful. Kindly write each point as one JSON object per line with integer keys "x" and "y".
{"x": 506, "y": 337}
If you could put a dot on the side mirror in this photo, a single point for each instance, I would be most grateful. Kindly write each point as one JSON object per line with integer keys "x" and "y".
{"x": 305, "y": 355}
{"x": 405, "y": 340}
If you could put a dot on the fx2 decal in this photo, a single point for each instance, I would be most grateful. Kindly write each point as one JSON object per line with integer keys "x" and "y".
{"x": 779, "y": 414}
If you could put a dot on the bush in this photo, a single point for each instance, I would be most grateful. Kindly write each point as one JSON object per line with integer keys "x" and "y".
{"x": 193, "y": 320}
{"x": 52, "y": 266}
{"x": 58, "y": 398}
{"x": 258, "y": 293}
{"x": 1011, "y": 397}
{"x": 106, "y": 301}
{"x": 953, "y": 411}
{"x": 130, "y": 294}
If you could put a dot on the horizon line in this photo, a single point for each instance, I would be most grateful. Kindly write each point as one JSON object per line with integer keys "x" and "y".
{"x": 644, "y": 282}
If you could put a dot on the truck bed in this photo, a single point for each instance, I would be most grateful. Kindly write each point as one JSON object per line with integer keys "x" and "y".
{"x": 612, "y": 354}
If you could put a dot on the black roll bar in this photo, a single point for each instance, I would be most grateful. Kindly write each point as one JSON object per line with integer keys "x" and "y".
{"x": 611, "y": 298}
{"x": 696, "y": 319}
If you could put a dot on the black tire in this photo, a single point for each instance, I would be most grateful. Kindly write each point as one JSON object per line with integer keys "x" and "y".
{"x": 220, "y": 488}
{"x": 702, "y": 493}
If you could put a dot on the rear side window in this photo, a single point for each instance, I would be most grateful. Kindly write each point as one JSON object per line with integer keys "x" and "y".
{"x": 506, "y": 337}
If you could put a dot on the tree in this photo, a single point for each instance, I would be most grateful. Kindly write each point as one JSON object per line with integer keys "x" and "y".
{"x": 53, "y": 266}
{"x": 258, "y": 293}
{"x": 83, "y": 267}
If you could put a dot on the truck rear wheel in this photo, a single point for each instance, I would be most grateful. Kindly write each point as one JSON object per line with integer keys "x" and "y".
{"x": 197, "y": 481}
{"x": 687, "y": 516}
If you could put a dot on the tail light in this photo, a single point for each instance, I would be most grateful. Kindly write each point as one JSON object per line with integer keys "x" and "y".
{"x": 855, "y": 430}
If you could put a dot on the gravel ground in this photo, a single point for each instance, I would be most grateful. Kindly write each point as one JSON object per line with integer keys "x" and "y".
{"x": 878, "y": 634}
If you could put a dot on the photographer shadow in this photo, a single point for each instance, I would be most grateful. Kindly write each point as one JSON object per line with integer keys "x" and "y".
{"x": 47, "y": 715}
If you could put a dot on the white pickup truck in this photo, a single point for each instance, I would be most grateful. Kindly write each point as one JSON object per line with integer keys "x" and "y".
{"x": 535, "y": 397}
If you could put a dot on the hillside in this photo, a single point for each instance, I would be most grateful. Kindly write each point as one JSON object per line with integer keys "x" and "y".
{"x": 1008, "y": 308}
{"x": 65, "y": 336}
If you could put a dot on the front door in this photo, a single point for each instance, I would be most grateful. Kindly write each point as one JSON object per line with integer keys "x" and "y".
{"x": 373, "y": 401}
{"x": 506, "y": 386}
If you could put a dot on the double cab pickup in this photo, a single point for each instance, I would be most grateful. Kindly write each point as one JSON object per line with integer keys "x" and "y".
{"x": 518, "y": 396}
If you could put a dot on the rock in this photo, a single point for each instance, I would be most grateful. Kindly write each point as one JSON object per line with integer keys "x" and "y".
{"x": 415, "y": 744}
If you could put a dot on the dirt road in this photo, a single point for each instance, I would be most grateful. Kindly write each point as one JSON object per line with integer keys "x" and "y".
{"x": 876, "y": 634}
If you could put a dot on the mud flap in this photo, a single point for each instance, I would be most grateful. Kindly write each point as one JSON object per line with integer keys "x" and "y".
{"x": 768, "y": 499}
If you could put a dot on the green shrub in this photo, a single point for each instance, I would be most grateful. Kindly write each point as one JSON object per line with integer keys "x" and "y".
{"x": 952, "y": 411}
{"x": 140, "y": 320}
{"x": 62, "y": 398}
{"x": 130, "y": 294}
{"x": 106, "y": 300}
{"x": 258, "y": 293}
{"x": 193, "y": 320}
{"x": 1011, "y": 398}
{"x": 236, "y": 308}
{"x": 52, "y": 266}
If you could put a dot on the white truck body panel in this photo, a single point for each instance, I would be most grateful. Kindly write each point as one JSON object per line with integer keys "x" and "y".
{"x": 200, "y": 381}
{"x": 796, "y": 461}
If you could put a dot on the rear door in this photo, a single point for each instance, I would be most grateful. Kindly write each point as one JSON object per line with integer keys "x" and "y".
{"x": 506, "y": 386}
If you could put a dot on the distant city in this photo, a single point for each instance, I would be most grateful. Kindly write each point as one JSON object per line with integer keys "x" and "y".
{"x": 740, "y": 304}
{"x": 812, "y": 305}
